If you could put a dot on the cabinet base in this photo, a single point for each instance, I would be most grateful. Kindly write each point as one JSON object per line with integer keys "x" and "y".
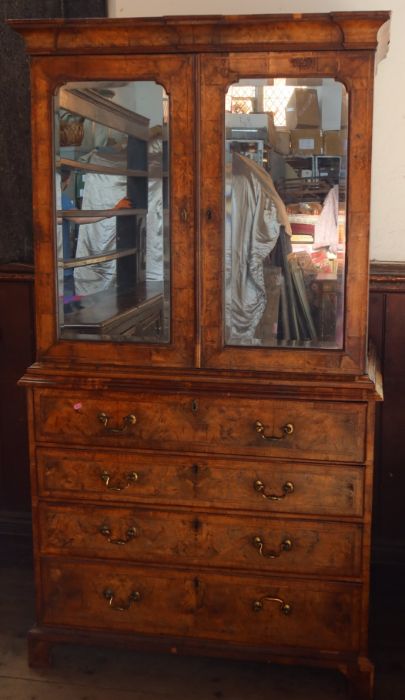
{"x": 359, "y": 671}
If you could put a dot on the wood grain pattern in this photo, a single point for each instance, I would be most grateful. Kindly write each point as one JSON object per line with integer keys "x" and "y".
{"x": 202, "y": 606}
{"x": 200, "y": 480}
{"x": 201, "y": 539}
{"x": 198, "y": 423}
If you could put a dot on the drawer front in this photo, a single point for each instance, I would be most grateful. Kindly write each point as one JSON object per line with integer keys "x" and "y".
{"x": 325, "y": 431}
{"x": 202, "y": 539}
{"x": 202, "y": 606}
{"x": 252, "y": 484}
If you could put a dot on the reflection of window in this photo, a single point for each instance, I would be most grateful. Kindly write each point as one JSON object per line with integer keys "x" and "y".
{"x": 244, "y": 99}
{"x": 241, "y": 99}
{"x": 275, "y": 98}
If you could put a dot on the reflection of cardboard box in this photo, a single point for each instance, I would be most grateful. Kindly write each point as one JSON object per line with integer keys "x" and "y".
{"x": 335, "y": 143}
{"x": 281, "y": 141}
{"x": 306, "y": 142}
{"x": 303, "y": 109}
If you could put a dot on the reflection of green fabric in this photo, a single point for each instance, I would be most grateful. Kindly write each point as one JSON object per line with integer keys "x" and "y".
{"x": 296, "y": 321}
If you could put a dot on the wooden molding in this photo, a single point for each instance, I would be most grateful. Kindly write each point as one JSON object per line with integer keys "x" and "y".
{"x": 16, "y": 271}
{"x": 203, "y": 33}
{"x": 387, "y": 277}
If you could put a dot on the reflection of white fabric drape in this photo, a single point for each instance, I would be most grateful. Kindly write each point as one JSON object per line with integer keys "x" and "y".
{"x": 326, "y": 227}
{"x": 101, "y": 191}
{"x": 154, "y": 240}
{"x": 257, "y": 212}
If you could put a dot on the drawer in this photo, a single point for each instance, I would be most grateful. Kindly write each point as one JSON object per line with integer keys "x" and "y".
{"x": 202, "y": 539}
{"x": 261, "y": 611}
{"x": 165, "y": 479}
{"x": 313, "y": 430}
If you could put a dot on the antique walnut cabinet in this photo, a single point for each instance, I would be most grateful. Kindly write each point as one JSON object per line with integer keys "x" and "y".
{"x": 202, "y": 403}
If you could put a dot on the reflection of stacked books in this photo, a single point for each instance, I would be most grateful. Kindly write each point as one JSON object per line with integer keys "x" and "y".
{"x": 302, "y": 227}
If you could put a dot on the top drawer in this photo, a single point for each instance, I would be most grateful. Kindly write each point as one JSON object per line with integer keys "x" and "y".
{"x": 317, "y": 430}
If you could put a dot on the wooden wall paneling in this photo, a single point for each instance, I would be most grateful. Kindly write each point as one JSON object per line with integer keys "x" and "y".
{"x": 387, "y": 331}
{"x": 17, "y": 348}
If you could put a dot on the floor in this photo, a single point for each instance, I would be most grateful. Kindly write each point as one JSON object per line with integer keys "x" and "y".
{"x": 80, "y": 673}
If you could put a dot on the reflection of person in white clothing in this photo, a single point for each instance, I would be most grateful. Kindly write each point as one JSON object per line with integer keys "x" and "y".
{"x": 101, "y": 191}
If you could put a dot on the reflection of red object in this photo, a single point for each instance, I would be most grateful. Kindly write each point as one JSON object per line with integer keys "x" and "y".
{"x": 319, "y": 256}
{"x": 321, "y": 261}
{"x": 299, "y": 229}
{"x": 124, "y": 203}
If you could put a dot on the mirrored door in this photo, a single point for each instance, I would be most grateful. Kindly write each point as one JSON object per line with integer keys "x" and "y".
{"x": 114, "y": 198}
{"x": 112, "y": 206}
{"x": 285, "y": 150}
{"x": 284, "y": 228}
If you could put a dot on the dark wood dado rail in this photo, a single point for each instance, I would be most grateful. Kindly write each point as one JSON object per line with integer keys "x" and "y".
{"x": 387, "y": 276}
{"x": 16, "y": 271}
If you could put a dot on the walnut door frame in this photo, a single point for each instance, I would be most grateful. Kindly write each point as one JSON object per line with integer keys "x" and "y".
{"x": 175, "y": 74}
{"x": 217, "y": 74}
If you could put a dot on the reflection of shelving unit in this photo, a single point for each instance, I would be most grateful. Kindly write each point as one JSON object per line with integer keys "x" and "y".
{"x": 251, "y": 148}
{"x": 131, "y": 223}
{"x": 134, "y": 312}
{"x": 315, "y": 175}
{"x": 316, "y": 166}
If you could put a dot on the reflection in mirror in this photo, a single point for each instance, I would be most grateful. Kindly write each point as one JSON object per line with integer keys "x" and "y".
{"x": 285, "y": 212}
{"x": 111, "y": 186}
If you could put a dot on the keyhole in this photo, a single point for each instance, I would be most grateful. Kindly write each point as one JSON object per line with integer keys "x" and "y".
{"x": 194, "y": 406}
{"x": 196, "y": 524}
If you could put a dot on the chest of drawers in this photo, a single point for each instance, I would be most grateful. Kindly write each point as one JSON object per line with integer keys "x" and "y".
{"x": 185, "y": 525}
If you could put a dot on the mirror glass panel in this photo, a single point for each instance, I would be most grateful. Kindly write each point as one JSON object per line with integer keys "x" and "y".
{"x": 285, "y": 212}
{"x": 112, "y": 211}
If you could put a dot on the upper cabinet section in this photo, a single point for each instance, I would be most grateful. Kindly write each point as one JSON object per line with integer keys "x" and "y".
{"x": 202, "y": 190}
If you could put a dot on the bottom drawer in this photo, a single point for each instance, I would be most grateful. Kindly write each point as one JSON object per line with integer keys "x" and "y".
{"x": 242, "y": 609}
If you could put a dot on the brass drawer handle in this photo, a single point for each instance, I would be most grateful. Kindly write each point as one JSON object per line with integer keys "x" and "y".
{"x": 106, "y": 477}
{"x": 286, "y": 430}
{"x": 126, "y": 422}
{"x": 106, "y": 532}
{"x": 285, "y": 608}
{"x": 259, "y": 486}
{"x": 285, "y": 546}
{"x": 133, "y": 597}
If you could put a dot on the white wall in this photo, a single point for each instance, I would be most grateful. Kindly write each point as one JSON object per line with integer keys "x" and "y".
{"x": 388, "y": 166}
